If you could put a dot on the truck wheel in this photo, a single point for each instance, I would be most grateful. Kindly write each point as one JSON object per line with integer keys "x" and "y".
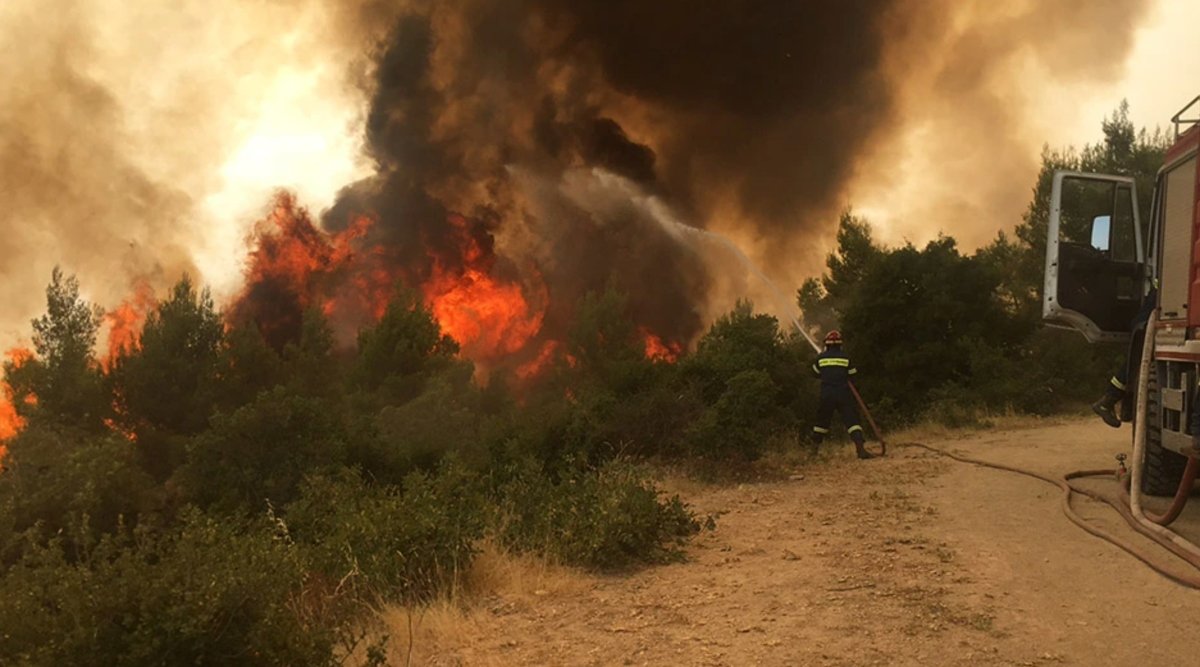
{"x": 1163, "y": 468}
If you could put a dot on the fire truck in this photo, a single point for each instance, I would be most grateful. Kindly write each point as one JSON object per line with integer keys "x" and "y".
{"x": 1103, "y": 260}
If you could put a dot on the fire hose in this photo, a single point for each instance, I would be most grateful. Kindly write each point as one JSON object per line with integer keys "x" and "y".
{"x": 1152, "y": 526}
{"x": 1190, "y": 580}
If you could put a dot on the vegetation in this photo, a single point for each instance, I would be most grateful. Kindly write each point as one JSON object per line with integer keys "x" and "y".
{"x": 945, "y": 335}
{"x": 210, "y": 499}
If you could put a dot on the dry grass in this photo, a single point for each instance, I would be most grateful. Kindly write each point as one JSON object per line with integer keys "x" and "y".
{"x": 1006, "y": 421}
{"x": 441, "y": 632}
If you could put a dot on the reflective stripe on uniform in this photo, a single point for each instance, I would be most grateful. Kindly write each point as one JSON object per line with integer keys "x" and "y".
{"x": 853, "y": 371}
{"x": 853, "y": 429}
{"x": 1118, "y": 384}
{"x": 815, "y": 369}
{"x": 833, "y": 361}
{"x": 818, "y": 429}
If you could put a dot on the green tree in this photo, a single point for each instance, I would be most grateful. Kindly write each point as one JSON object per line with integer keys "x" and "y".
{"x": 751, "y": 381}
{"x": 262, "y": 451}
{"x": 62, "y": 383}
{"x": 166, "y": 384}
{"x": 168, "y": 379}
{"x": 309, "y": 363}
{"x": 605, "y": 343}
{"x": 822, "y": 302}
{"x": 396, "y": 354}
{"x": 73, "y": 486}
{"x": 248, "y": 366}
{"x": 911, "y": 327}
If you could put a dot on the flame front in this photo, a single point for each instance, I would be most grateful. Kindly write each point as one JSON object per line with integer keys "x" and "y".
{"x": 659, "y": 350}
{"x": 126, "y": 320}
{"x": 293, "y": 265}
{"x": 490, "y": 318}
{"x": 11, "y": 423}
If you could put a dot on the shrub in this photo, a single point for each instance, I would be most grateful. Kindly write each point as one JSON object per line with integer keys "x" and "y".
{"x": 741, "y": 420}
{"x": 419, "y": 434}
{"x": 384, "y": 543}
{"x": 605, "y": 519}
{"x": 262, "y": 451}
{"x": 209, "y": 593}
{"x": 62, "y": 480}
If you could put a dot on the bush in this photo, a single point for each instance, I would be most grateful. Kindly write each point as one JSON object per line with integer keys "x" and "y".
{"x": 383, "y": 543}
{"x": 605, "y": 519}
{"x": 739, "y": 423}
{"x": 62, "y": 480}
{"x": 262, "y": 451}
{"x": 208, "y": 594}
{"x": 419, "y": 434}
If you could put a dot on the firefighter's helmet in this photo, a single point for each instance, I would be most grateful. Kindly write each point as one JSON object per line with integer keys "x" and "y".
{"x": 833, "y": 338}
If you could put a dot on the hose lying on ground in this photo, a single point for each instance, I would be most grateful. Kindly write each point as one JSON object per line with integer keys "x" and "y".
{"x": 1181, "y": 494}
{"x": 1190, "y": 580}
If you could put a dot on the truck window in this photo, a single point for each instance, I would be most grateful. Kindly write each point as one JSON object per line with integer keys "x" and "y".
{"x": 1124, "y": 241}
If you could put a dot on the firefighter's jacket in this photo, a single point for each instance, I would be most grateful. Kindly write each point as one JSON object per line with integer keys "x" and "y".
{"x": 835, "y": 370}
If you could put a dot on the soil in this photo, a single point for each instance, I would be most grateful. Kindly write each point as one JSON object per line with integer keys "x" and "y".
{"x": 908, "y": 560}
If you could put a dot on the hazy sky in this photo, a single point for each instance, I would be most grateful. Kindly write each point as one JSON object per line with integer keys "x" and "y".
{"x": 1161, "y": 74}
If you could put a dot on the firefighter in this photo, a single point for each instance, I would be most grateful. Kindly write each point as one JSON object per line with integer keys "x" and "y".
{"x": 834, "y": 369}
{"x": 1118, "y": 385}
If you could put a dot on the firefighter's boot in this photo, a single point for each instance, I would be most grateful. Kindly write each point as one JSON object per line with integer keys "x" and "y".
{"x": 860, "y": 448}
{"x": 1104, "y": 408}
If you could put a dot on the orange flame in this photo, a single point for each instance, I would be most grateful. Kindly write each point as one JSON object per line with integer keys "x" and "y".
{"x": 489, "y": 318}
{"x": 659, "y": 350}
{"x": 535, "y": 366}
{"x": 290, "y": 248}
{"x": 120, "y": 430}
{"x": 126, "y": 320}
{"x": 11, "y": 423}
{"x": 293, "y": 260}
{"x": 294, "y": 265}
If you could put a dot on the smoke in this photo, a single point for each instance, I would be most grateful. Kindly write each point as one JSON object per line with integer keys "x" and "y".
{"x": 140, "y": 140}
{"x": 755, "y": 108}
{"x": 980, "y": 89}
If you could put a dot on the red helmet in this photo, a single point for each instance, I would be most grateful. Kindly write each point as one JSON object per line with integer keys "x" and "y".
{"x": 833, "y": 338}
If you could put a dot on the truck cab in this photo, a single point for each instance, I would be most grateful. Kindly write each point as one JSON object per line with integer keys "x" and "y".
{"x": 1102, "y": 261}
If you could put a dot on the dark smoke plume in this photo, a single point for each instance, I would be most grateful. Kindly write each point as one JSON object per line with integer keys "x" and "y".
{"x": 758, "y": 106}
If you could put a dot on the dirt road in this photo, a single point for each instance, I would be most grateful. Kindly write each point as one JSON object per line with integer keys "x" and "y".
{"x": 909, "y": 560}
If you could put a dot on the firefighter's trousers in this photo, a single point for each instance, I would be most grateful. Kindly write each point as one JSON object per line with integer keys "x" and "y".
{"x": 842, "y": 402}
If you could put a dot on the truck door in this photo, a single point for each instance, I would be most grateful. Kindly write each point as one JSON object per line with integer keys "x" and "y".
{"x": 1095, "y": 264}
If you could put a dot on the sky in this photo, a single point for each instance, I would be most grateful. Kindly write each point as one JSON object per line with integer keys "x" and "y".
{"x": 1158, "y": 77}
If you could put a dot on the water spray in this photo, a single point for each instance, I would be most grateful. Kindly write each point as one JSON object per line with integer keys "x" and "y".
{"x": 684, "y": 233}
